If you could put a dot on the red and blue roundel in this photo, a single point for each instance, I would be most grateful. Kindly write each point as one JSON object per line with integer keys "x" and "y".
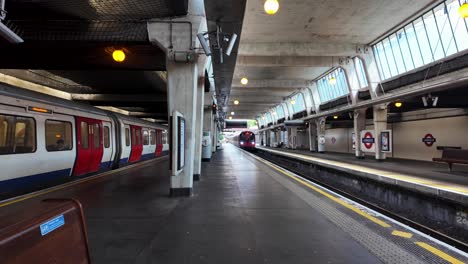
{"x": 429, "y": 140}
{"x": 368, "y": 140}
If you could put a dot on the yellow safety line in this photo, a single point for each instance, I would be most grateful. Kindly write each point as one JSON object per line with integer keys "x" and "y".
{"x": 331, "y": 197}
{"x": 402, "y": 234}
{"x": 439, "y": 253}
{"x": 67, "y": 185}
{"x": 426, "y": 246}
{"x": 387, "y": 174}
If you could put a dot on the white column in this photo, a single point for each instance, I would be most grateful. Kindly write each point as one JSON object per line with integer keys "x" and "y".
{"x": 312, "y": 136}
{"x": 207, "y": 127}
{"x": 320, "y": 123}
{"x": 359, "y": 125}
{"x": 181, "y": 95}
{"x": 293, "y": 137}
{"x": 380, "y": 124}
{"x": 199, "y": 118}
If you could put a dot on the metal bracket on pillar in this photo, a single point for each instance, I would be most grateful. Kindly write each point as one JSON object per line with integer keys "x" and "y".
{"x": 360, "y": 49}
{"x": 183, "y": 56}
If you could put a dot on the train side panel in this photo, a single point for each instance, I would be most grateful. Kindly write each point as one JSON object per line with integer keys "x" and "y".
{"x": 35, "y": 149}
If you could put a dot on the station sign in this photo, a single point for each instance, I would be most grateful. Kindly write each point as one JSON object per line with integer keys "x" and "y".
{"x": 429, "y": 140}
{"x": 321, "y": 140}
{"x": 368, "y": 141}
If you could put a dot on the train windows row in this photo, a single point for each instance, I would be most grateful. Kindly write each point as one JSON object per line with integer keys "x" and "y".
{"x": 18, "y": 135}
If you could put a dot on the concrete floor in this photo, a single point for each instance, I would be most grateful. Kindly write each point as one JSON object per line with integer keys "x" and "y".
{"x": 242, "y": 211}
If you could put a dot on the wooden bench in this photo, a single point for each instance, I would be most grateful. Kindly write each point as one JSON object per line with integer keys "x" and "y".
{"x": 451, "y": 156}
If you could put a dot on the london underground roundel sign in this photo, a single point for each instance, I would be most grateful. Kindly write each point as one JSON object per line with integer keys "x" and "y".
{"x": 368, "y": 140}
{"x": 429, "y": 140}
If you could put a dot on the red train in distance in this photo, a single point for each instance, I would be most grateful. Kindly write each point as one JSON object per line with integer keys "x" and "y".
{"x": 247, "y": 140}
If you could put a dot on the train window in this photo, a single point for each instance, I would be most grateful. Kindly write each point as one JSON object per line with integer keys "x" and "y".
{"x": 96, "y": 136}
{"x": 84, "y": 135}
{"x": 58, "y": 135}
{"x": 134, "y": 142}
{"x": 106, "y": 137}
{"x": 164, "y": 137}
{"x": 137, "y": 136}
{"x": 153, "y": 137}
{"x": 145, "y": 137}
{"x": 17, "y": 134}
{"x": 3, "y": 132}
{"x": 127, "y": 136}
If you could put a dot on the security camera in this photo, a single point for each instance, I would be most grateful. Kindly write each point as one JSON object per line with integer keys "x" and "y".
{"x": 204, "y": 43}
{"x": 232, "y": 41}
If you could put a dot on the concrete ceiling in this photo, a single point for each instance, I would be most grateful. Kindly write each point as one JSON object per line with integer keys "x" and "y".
{"x": 301, "y": 41}
{"x": 68, "y": 45}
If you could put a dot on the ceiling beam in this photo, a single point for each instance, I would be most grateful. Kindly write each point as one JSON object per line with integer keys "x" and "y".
{"x": 272, "y": 83}
{"x": 151, "y": 98}
{"x": 273, "y": 90}
{"x": 297, "y": 49}
{"x": 288, "y": 61}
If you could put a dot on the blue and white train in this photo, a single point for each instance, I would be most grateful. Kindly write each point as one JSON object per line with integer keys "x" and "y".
{"x": 46, "y": 140}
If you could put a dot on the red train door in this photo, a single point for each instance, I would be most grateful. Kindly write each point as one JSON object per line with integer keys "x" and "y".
{"x": 89, "y": 146}
{"x": 97, "y": 146}
{"x": 159, "y": 145}
{"x": 137, "y": 143}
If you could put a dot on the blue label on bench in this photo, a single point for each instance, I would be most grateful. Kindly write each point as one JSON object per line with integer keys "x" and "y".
{"x": 51, "y": 225}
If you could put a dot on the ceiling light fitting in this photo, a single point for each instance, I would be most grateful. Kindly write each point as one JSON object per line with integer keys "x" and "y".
{"x": 271, "y": 6}
{"x": 244, "y": 81}
{"x": 6, "y": 32}
{"x": 219, "y": 36}
{"x": 463, "y": 10}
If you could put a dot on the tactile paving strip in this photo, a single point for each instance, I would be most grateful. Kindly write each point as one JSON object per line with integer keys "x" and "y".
{"x": 380, "y": 246}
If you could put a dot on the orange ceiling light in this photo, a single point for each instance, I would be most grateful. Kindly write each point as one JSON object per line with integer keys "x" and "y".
{"x": 118, "y": 55}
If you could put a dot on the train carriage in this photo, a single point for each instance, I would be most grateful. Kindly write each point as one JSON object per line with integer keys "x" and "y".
{"x": 46, "y": 140}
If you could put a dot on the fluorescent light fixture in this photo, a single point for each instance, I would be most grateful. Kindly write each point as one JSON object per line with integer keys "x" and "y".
{"x": 9, "y": 35}
{"x": 232, "y": 41}
{"x": 204, "y": 43}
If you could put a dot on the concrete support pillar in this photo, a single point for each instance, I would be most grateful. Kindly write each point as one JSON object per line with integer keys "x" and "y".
{"x": 313, "y": 137}
{"x": 293, "y": 138}
{"x": 208, "y": 126}
{"x": 359, "y": 125}
{"x": 320, "y": 124}
{"x": 182, "y": 91}
{"x": 380, "y": 124}
{"x": 214, "y": 141}
{"x": 199, "y": 118}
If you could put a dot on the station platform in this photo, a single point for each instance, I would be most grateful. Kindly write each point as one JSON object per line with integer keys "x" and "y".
{"x": 421, "y": 176}
{"x": 243, "y": 210}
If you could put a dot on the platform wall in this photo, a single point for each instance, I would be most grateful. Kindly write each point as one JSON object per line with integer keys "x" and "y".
{"x": 407, "y": 137}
